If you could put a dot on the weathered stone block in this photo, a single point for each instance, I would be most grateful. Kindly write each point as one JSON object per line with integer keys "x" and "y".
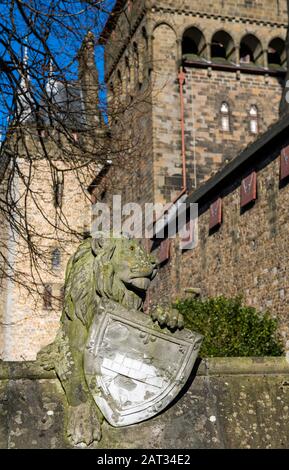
{"x": 227, "y": 403}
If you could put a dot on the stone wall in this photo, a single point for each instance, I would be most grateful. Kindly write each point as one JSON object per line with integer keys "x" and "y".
{"x": 52, "y": 199}
{"x": 156, "y": 33}
{"x": 150, "y": 170}
{"x": 206, "y": 142}
{"x": 206, "y": 86}
{"x": 248, "y": 253}
{"x": 127, "y": 16}
{"x": 25, "y": 324}
{"x": 227, "y": 403}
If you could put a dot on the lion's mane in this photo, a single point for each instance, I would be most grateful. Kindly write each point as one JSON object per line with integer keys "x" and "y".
{"x": 90, "y": 275}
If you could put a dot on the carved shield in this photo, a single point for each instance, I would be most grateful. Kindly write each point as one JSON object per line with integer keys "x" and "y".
{"x": 133, "y": 368}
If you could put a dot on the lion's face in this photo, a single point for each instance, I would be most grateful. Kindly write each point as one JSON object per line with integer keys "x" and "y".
{"x": 123, "y": 271}
{"x": 133, "y": 266}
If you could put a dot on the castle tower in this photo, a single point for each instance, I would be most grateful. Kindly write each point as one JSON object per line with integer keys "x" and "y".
{"x": 56, "y": 207}
{"x": 215, "y": 72}
{"x": 88, "y": 77}
{"x": 24, "y": 99}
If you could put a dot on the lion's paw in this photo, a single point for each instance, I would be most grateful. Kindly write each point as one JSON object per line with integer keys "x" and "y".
{"x": 84, "y": 425}
{"x": 168, "y": 316}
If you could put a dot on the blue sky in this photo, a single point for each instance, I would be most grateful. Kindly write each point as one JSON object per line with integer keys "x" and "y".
{"x": 64, "y": 44}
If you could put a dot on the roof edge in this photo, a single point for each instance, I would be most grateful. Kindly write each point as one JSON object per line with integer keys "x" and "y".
{"x": 239, "y": 162}
{"x": 111, "y": 21}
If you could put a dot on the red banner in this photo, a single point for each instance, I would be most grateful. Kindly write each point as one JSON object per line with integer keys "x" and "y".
{"x": 165, "y": 251}
{"x": 249, "y": 189}
{"x": 189, "y": 236}
{"x": 216, "y": 213}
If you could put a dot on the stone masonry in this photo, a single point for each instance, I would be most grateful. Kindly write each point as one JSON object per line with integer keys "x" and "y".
{"x": 30, "y": 309}
{"x": 143, "y": 57}
{"x": 228, "y": 403}
{"x": 247, "y": 255}
{"x": 26, "y": 324}
{"x": 145, "y": 52}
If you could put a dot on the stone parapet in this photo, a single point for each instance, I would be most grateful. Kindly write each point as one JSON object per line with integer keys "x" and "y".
{"x": 227, "y": 403}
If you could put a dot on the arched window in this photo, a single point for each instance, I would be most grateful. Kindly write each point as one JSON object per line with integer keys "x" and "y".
{"x": 111, "y": 90}
{"x": 143, "y": 57}
{"x": 193, "y": 44}
{"x": 251, "y": 51}
{"x": 135, "y": 64}
{"x": 253, "y": 119}
{"x": 119, "y": 80}
{"x": 225, "y": 117}
{"x": 222, "y": 47}
{"x": 129, "y": 5}
{"x": 47, "y": 297}
{"x": 55, "y": 258}
{"x": 127, "y": 75}
{"x": 277, "y": 54}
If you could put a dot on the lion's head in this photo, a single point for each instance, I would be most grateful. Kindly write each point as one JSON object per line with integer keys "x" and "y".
{"x": 115, "y": 268}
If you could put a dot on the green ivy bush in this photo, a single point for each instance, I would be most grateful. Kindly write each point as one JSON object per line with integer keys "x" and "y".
{"x": 231, "y": 328}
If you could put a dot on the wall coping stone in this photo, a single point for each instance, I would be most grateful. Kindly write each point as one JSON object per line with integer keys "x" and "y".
{"x": 210, "y": 367}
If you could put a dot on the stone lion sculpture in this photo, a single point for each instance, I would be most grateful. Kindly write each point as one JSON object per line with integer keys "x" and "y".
{"x": 117, "y": 269}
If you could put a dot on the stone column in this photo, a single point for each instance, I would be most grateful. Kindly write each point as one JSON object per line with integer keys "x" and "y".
{"x": 179, "y": 53}
{"x": 265, "y": 60}
{"x": 208, "y": 49}
{"x": 237, "y": 49}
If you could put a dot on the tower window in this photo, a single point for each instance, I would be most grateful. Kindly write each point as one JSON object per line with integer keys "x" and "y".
{"x": 143, "y": 57}
{"x": 58, "y": 187}
{"x": 127, "y": 75}
{"x": 251, "y": 51}
{"x": 222, "y": 47}
{"x": 55, "y": 258}
{"x": 225, "y": 117}
{"x": 253, "y": 116}
{"x": 193, "y": 44}
{"x": 47, "y": 297}
{"x": 277, "y": 54}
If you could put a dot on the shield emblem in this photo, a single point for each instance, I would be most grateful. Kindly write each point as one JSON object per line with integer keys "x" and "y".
{"x": 133, "y": 368}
